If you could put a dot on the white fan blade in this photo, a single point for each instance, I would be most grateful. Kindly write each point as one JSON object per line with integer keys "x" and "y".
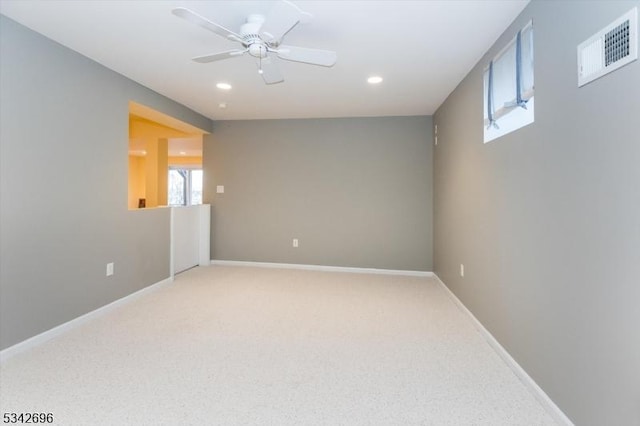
{"x": 218, "y": 56}
{"x": 282, "y": 17}
{"x": 203, "y": 22}
{"x": 270, "y": 71}
{"x": 326, "y": 58}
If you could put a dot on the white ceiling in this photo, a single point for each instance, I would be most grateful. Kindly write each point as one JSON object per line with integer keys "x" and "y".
{"x": 422, "y": 49}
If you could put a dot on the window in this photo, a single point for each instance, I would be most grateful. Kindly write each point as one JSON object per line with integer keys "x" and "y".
{"x": 509, "y": 87}
{"x": 185, "y": 186}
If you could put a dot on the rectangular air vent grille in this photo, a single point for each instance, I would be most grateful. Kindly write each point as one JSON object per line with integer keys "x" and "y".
{"x": 616, "y": 43}
{"x": 609, "y": 49}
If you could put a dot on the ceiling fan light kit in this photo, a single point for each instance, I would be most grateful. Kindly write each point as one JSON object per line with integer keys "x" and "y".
{"x": 261, "y": 37}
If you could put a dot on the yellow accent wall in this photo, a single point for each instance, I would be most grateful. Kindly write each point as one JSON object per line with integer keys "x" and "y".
{"x": 137, "y": 180}
{"x": 156, "y": 171}
{"x": 185, "y": 161}
{"x": 143, "y": 128}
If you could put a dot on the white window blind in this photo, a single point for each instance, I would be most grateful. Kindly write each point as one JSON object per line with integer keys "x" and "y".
{"x": 509, "y": 86}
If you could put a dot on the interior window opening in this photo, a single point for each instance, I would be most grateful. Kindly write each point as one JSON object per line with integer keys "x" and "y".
{"x": 165, "y": 160}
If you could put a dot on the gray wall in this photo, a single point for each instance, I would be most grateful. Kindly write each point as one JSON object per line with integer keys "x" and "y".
{"x": 547, "y": 219}
{"x": 63, "y": 186}
{"x": 356, "y": 192}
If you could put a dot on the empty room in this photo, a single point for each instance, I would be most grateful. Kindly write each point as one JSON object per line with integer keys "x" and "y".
{"x": 320, "y": 212}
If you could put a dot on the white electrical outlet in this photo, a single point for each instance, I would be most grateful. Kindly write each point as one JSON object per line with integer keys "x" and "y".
{"x": 219, "y": 189}
{"x": 295, "y": 242}
{"x": 110, "y": 269}
{"x": 461, "y": 270}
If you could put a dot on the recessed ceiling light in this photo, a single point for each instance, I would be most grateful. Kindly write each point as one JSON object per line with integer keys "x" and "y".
{"x": 374, "y": 79}
{"x": 223, "y": 86}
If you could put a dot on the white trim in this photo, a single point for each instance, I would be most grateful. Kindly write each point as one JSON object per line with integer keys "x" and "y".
{"x": 184, "y": 166}
{"x": 45, "y": 336}
{"x": 321, "y": 268}
{"x": 554, "y": 411}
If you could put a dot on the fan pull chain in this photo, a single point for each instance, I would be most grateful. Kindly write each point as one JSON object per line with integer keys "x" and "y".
{"x": 260, "y": 60}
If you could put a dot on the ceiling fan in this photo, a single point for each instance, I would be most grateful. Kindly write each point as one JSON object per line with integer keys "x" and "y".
{"x": 261, "y": 37}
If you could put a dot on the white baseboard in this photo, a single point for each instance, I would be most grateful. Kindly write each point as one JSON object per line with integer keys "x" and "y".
{"x": 554, "y": 411}
{"x": 321, "y": 268}
{"x": 39, "y": 339}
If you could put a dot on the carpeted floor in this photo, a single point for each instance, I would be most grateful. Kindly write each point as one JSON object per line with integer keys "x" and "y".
{"x": 255, "y": 346}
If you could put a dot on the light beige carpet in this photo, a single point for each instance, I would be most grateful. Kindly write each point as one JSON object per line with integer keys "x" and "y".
{"x": 254, "y": 346}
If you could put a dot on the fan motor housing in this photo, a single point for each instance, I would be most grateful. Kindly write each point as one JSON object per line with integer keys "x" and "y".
{"x": 250, "y": 38}
{"x": 258, "y": 49}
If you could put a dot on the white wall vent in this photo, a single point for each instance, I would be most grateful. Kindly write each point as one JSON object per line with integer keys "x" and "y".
{"x": 609, "y": 49}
